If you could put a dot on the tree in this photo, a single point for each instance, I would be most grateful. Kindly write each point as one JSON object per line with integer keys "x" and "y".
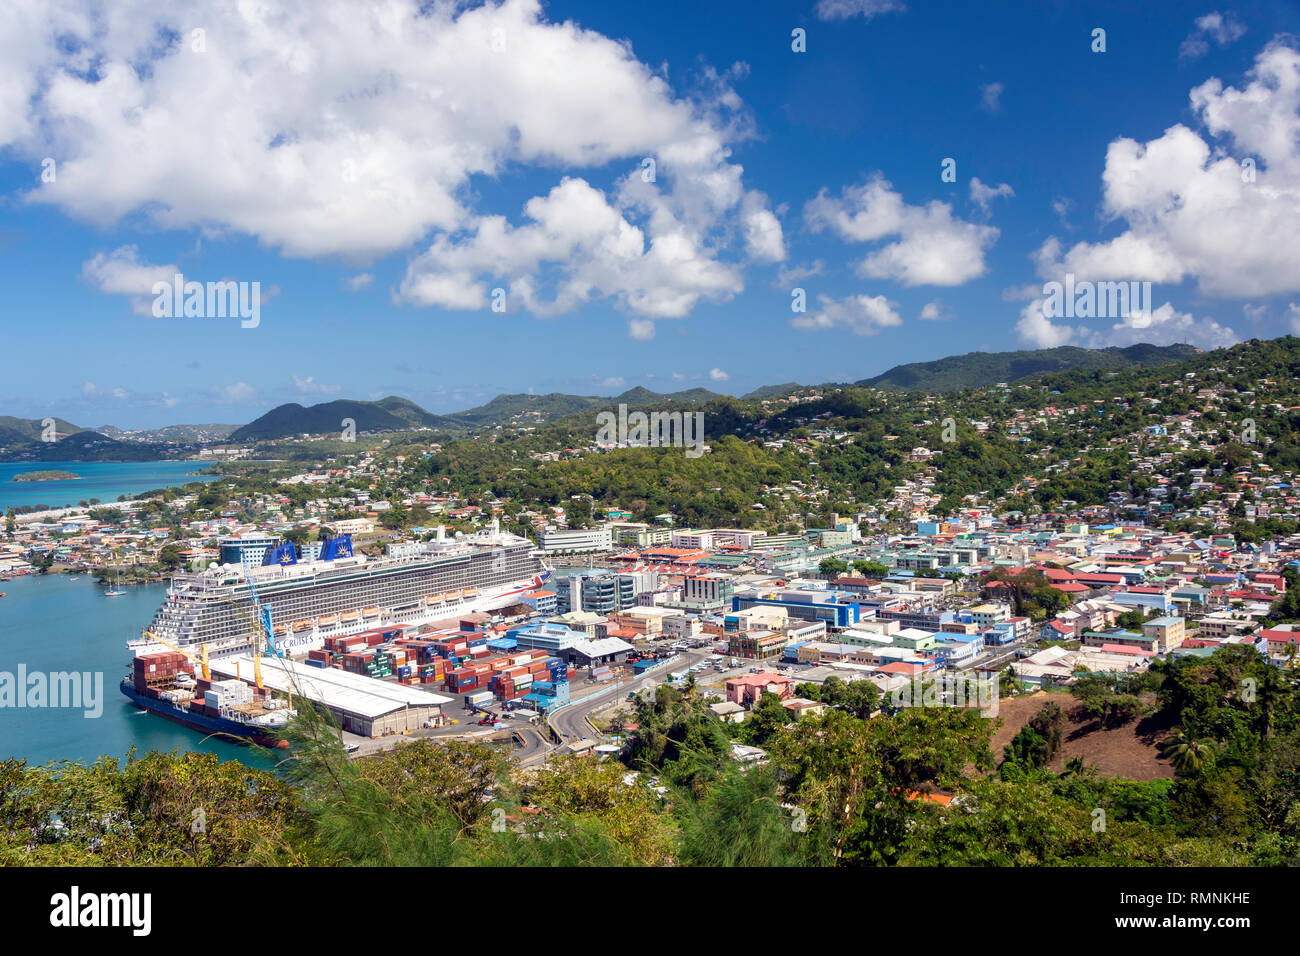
{"x": 576, "y": 787}
{"x": 766, "y": 718}
{"x": 832, "y": 566}
{"x": 871, "y": 569}
{"x": 1189, "y": 756}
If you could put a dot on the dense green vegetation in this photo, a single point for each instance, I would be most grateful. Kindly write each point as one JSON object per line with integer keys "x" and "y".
{"x": 981, "y": 369}
{"x": 841, "y": 788}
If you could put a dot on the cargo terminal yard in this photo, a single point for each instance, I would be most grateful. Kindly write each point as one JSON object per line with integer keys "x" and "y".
{"x": 537, "y": 661}
{"x": 361, "y": 705}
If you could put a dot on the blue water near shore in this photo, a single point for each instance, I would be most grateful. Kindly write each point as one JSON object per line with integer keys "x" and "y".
{"x": 50, "y": 623}
{"x": 105, "y": 480}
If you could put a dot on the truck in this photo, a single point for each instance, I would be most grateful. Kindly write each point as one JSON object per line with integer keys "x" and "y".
{"x": 478, "y": 699}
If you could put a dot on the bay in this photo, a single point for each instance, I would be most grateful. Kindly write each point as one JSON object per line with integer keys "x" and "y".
{"x": 49, "y": 623}
{"x": 105, "y": 480}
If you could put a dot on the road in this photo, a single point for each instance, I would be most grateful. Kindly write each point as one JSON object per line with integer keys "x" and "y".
{"x": 573, "y": 722}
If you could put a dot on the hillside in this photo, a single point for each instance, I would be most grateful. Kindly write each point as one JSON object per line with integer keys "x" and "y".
{"x": 294, "y": 419}
{"x": 771, "y": 391}
{"x": 556, "y": 405}
{"x": 20, "y": 440}
{"x": 170, "y": 433}
{"x": 980, "y": 369}
{"x": 412, "y": 413}
{"x": 22, "y": 430}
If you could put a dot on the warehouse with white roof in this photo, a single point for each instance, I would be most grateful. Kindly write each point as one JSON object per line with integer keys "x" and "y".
{"x": 362, "y": 705}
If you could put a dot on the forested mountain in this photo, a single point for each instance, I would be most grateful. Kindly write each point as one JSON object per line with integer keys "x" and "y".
{"x": 293, "y": 419}
{"x": 21, "y": 440}
{"x": 978, "y": 369}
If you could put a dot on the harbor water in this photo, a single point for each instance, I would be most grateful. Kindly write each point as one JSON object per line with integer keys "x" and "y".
{"x": 52, "y": 624}
{"x": 105, "y": 480}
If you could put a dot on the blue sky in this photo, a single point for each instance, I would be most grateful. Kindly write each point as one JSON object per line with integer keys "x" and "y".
{"x": 380, "y": 178}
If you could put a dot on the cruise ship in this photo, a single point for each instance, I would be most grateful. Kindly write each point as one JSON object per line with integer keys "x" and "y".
{"x": 342, "y": 593}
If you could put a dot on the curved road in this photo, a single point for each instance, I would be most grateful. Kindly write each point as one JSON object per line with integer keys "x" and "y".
{"x": 572, "y": 722}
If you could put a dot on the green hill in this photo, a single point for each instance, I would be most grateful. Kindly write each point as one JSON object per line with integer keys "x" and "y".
{"x": 408, "y": 411}
{"x": 21, "y": 430}
{"x": 507, "y": 408}
{"x": 20, "y": 440}
{"x": 294, "y": 419}
{"x": 771, "y": 391}
{"x": 980, "y": 369}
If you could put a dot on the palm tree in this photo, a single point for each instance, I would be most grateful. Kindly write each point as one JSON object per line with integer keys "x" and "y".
{"x": 1187, "y": 754}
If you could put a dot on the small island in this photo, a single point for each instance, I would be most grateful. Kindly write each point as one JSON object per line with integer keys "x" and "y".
{"x": 52, "y": 475}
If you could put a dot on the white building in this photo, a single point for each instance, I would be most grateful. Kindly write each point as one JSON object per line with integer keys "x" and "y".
{"x": 557, "y": 541}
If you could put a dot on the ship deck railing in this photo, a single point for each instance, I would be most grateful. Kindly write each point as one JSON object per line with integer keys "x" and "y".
{"x": 199, "y": 587}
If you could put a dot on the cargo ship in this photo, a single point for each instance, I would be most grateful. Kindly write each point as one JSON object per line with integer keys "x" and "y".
{"x": 164, "y": 683}
{"x": 339, "y": 593}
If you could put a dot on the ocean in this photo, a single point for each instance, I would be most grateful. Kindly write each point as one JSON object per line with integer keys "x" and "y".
{"x": 105, "y": 480}
{"x": 49, "y": 623}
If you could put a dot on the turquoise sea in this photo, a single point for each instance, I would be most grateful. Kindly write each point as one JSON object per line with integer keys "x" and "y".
{"x": 49, "y": 623}
{"x": 105, "y": 480}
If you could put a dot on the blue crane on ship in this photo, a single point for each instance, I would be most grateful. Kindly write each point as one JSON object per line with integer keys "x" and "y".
{"x": 261, "y": 611}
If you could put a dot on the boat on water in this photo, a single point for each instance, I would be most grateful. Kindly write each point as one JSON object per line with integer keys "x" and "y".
{"x": 206, "y": 614}
{"x": 408, "y": 587}
{"x": 164, "y": 683}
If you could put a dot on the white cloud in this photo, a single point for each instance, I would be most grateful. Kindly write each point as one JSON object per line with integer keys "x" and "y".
{"x": 1220, "y": 28}
{"x": 933, "y": 311}
{"x": 1162, "y": 326}
{"x": 595, "y": 250}
{"x": 237, "y": 394}
{"x": 358, "y": 282}
{"x": 1191, "y": 210}
{"x": 1061, "y": 206}
{"x": 991, "y": 97}
{"x": 643, "y": 330}
{"x": 1037, "y": 330}
{"x": 1293, "y": 317}
{"x": 844, "y": 9}
{"x": 983, "y": 196}
{"x": 383, "y": 119}
{"x": 120, "y": 394}
{"x": 764, "y": 239}
{"x": 309, "y": 386}
{"x": 1165, "y": 326}
{"x": 121, "y": 272}
{"x": 718, "y": 375}
{"x": 614, "y": 381}
{"x": 862, "y": 314}
{"x": 934, "y": 248}
{"x": 789, "y": 275}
